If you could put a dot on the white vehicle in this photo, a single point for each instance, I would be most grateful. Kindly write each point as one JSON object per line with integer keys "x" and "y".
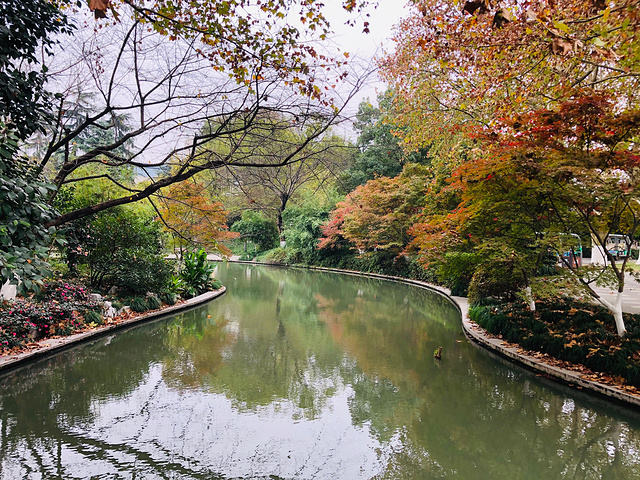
{"x": 617, "y": 245}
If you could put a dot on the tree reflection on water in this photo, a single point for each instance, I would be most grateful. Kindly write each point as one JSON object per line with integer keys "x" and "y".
{"x": 296, "y": 374}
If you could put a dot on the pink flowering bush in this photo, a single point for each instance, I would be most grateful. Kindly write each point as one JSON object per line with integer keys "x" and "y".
{"x": 58, "y": 310}
{"x": 63, "y": 292}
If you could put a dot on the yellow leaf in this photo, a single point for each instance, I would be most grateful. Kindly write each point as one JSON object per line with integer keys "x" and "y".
{"x": 561, "y": 26}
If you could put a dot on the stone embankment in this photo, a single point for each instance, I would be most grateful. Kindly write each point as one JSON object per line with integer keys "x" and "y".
{"x": 51, "y": 345}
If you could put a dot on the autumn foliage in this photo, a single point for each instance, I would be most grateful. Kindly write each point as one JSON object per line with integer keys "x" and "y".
{"x": 193, "y": 219}
{"x": 377, "y": 215}
{"x": 468, "y": 63}
{"x": 242, "y": 41}
{"x": 538, "y": 178}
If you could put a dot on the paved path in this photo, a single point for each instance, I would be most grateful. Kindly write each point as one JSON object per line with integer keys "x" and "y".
{"x": 218, "y": 258}
{"x": 630, "y": 296}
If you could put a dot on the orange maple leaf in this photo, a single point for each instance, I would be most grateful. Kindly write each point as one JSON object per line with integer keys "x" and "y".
{"x": 99, "y": 7}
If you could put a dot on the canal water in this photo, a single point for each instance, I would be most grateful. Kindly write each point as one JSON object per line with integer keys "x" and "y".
{"x": 295, "y": 374}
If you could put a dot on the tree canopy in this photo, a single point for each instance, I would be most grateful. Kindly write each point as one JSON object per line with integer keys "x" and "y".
{"x": 540, "y": 178}
{"x": 193, "y": 219}
{"x": 165, "y": 92}
{"x": 471, "y": 62}
{"x": 244, "y": 38}
{"x": 26, "y": 27}
{"x": 380, "y": 153}
{"x": 270, "y": 186}
{"x": 135, "y": 87}
{"x": 377, "y": 215}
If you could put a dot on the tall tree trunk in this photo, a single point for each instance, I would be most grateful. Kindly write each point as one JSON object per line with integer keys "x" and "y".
{"x": 283, "y": 204}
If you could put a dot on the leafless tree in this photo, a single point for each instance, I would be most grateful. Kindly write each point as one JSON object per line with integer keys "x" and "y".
{"x": 185, "y": 114}
{"x": 270, "y": 188}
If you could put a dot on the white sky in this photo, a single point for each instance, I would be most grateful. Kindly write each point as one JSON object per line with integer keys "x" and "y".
{"x": 366, "y": 46}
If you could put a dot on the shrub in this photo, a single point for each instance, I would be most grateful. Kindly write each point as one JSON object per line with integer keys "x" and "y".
{"x": 169, "y": 298}
{"x": 302, "y": 227}
{"x": 383, "y": 262}
{"x": 123, "y": 247}
{"x": 277, "y": 255}
{"x": 153, "y": 302}
{"x": 145, "y": 273}
{"x": 93, "y": 317}
{"x": 138, "y": 304}
{"x": 196, "y": 273}
{"x": 568, "y": 330}
{"x": 61, "y": 291}
{"x": 456, "y": 271}
{"x": 260, "y": 230}
{"x": 21, "y": 321}
{"x": 495, "y": 280}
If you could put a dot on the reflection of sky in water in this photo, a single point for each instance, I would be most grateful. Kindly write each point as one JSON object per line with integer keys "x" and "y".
{"x": 300, "y": 375}
{"x": 207, "y": 432}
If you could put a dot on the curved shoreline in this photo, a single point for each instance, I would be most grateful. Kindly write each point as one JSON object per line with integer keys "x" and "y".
{"x": 54, "y": 345}
{"x": 480, "y": 337}
{"x": 473, "y": 332}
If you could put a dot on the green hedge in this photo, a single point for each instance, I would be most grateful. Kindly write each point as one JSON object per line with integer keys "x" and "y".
{"x": 386, "y": 263}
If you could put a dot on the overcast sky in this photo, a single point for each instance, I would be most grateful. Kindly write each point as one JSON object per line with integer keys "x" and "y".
{"x": 365, "y": 47}
{"x": 381, "y": 22}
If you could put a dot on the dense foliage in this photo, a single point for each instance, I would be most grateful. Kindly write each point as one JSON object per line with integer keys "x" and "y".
{"x": 59, "y": 309}
{"x": 380, "y": 153}
{"x": 256, "y": 228}
{"x": 24, "y": 240}
{"x": 303, "y": 223}
{"x": 377, "y": 215}
{"x": 459, "y": 63}
{"x": 538, "y": 179}
{"x": 27, "y": 29}
{"x": 196, "y": 274}
{"x": 237, "y": 59}
{"x": 193, "y": 219}
{"x": 572, "y": 331}
{"x": 124, "y": 248}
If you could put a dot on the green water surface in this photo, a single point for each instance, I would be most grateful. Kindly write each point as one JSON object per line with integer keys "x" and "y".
{"x": 295, "y": 374}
